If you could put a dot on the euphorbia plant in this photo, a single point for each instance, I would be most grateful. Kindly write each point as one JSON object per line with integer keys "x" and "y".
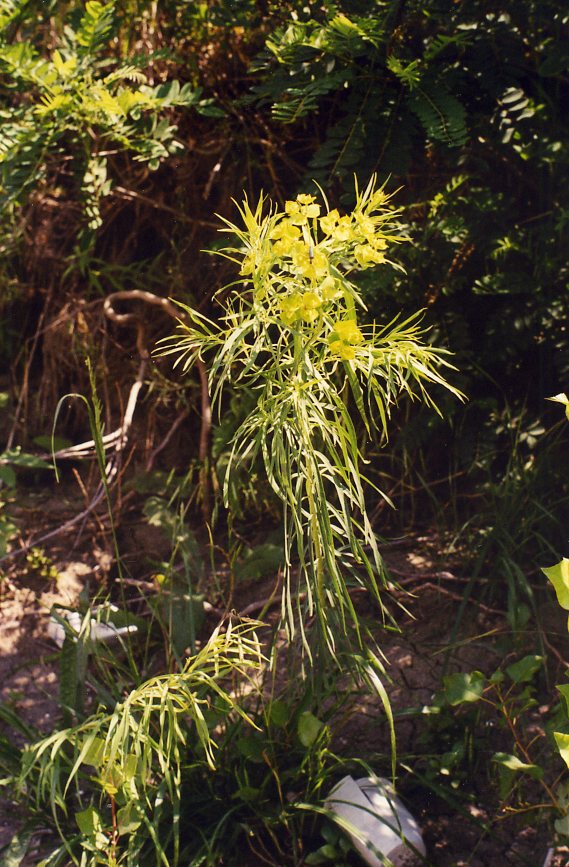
{"x": 294, "y": 331}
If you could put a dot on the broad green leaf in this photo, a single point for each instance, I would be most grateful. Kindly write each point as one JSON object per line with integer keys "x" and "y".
{"x": 247, "y": 793}
{"x": 524, "y": 670}
{"x": 88, "y": 821}
{"x": 463, "y": 687}
{"x": 45, "y": 442}
{"x": 18, "y": 458}
{"x": 259, "y": 562}
{"x": 95, "y": 753}
{"x": 559, "y": 577}
{"x": 279, "y": 713}
{"x": 515, "y": 764}
{"x": 564, "y": 690}
{"x": 7, "y": 476}
{"x": 251, "y": 748}
{"x": 309, "y": 728}
{"x": 127, "y": 819}
{"x": 325, "y": 855}
{"x": 562, "y": 741}
{"x": 562, "y": 825}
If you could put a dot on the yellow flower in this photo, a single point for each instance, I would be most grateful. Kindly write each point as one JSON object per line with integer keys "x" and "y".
{"x": 366, "y": 255}
{"x": 305, "y": 199}
{"x": 285, "y": 230}
{"x": 344, "y": 230}
{"x": 343, "y": 350}
{"x": 303, "y": 209}
{"x": 348, "y": 331}
{"x": 329, "y": 221}
{"x": 377, "y": 200}
{"x": 329, "y": 289}
{"x": 378, "y": 242}
{"x": 248, "y": 265}
{"x": 309, "y": 306}
{"x": 312, "y": 262}
{"x": 366, "y": 226}
{"x": 290, "y": 308}
{"x": 306, "y": 306}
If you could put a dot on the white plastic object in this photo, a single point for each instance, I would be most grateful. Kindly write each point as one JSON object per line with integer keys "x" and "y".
{"x": 378, "y": 818}
{"x": 99, "y": 631}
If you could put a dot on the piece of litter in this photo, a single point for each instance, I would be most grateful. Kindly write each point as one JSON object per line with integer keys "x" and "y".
{"x": 99, "y": 631}
{"x": 376, "y": 820}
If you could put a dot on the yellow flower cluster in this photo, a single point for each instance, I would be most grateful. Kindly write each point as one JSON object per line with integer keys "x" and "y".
{"x": 345, "y": 336}
{"x": 291, "y": 237}
{"x": 307, "y": 305}
{"x": 298, "y": 260}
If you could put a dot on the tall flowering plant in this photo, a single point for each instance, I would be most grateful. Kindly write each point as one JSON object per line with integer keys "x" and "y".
{"x": 294, "y": 331}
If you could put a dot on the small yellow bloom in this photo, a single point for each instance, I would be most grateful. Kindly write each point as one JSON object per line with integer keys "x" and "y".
{"x": 305, "y": 199}
{"x": 302, "y": 210}
{"x": 248, "y": 265}
{"x": 365, "y": 225}
{"x": 330, "y": 289}
{"x": 309, "y": 306}
{"x": 329, "y": 221}
{"x": 344, "y": 230}
{"x": 377, "y": 200}
{"x": 290, "y": 308}
{"x": 348, "y": 331}
{"x": 343, "y": 350}
{"x": 285, "y": 230}
{"x": 312, "y": 262}
{"x": 366, "y": 255}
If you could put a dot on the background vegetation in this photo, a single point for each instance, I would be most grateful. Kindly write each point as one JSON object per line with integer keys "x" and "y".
{"x": 127, "y": 131}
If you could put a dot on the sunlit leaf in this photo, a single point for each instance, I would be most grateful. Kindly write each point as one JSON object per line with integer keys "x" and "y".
{"x": 463, "y": 687}
{"x": 513, "y": 763}
{"x": 559, "y": 577}
{"x": 525, "y": 668}
{"x": 309, "y": 727}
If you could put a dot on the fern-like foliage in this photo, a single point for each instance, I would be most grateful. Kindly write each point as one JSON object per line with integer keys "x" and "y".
{"x": 96, "y": 27}
{"x": 441, "y": 114}
{"x": 378, "y": 97}
{"x": 70, "y": 100}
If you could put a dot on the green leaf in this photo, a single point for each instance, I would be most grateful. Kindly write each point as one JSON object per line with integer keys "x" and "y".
{"x": 524, "y": 670}
{"x": 247, "y": 793}
{"x": 279, "y": 713}
{"x": 95, "y": 753}
{"x": 88, "y": 821}
{"x": 463, "y": 687}
{"x": 562, "y": 741}
{"x": 260, "y": 561}
{"x": 252, "y": 748}
{"x": 564, "y": 690}
{"x": 21, "y": 459}
{"x": 7, "y": 476}
{"x": 45, "y": 442}
{"x": 516, "y": 765}
{"x": 562, "y": 825}
{"x": 96, "y": 25}
{"x": 127, "y": 819}
{"x": 309, "y": 727}
{"x": 324, "y": 855}
{"x": 559, "y": 577}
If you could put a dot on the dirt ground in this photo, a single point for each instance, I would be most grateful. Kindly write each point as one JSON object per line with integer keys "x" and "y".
{"x": 476, "y": 832}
